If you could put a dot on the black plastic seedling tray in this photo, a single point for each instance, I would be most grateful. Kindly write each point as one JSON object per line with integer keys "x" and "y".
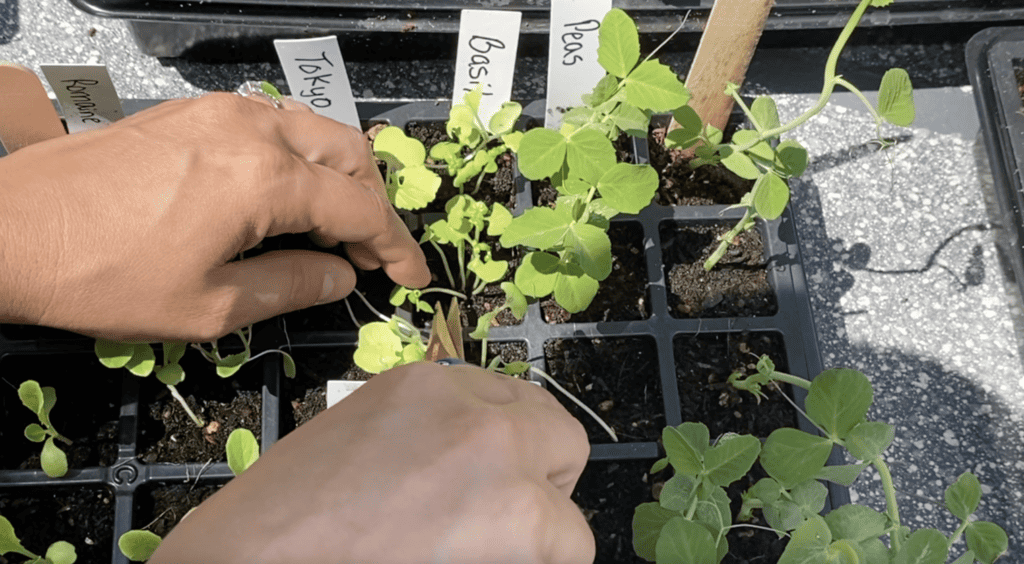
{"x": 128, "y": 476}
{"x": 995, "y": 64}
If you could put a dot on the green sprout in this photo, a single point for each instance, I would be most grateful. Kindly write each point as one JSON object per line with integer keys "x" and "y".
{"x": 40, "y": 400}
{"x": 410, "y": 184}
{"x": 242, "y": 450}
{"x": 60, "y": 552}
{"x": 138, "y": 545}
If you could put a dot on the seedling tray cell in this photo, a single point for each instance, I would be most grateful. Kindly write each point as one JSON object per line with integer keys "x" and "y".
{"x": 570, "y": 349}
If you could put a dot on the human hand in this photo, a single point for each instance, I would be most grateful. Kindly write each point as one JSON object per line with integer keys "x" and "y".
{"x": 423, "y": 464}
{"x": 126, "y": 232}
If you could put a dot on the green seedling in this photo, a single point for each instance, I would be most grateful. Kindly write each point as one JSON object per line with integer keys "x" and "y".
{"x": 758, "y": 155}
{"x": 410, "y": 184}
{"x": 689, "y": 521}
{"x": 242, "y": 450}
{"x": 60, "y": 552}
{"x": 40, "y": 400}
{"x": 138, "y": 545}
{"x": 385, "y": 345}
{"x": 140, "y": 360}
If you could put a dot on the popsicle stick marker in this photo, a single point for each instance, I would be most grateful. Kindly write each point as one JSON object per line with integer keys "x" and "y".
{"x": 86, "y": 95}
{"x": 316, "y": 76}
{"x": 572, "y": 54}
{"x": 488, "y": 41}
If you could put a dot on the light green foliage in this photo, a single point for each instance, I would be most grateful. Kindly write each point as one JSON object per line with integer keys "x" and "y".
{"x": 242, "y": 450}
{"x": 40, "y": 400}
{"x": 60, "y": 552}
{"x": 410, "y": 184}
{"x": 383, "y": 346}
{"x": 792, "y": 497}
{"x": 138, "y": 545}
{"x": 466, "y": 223}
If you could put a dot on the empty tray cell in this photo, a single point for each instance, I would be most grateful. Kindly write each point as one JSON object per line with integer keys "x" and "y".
{"x": 607, "y": 494}
{"x": 159, "y": 507}
{"x": 86, "y": 411}
{"x": 682, "y": 185}
{"x": 82, "y": 516}
{"x": 615, "y": 377}
{"x": 738, "y": 286}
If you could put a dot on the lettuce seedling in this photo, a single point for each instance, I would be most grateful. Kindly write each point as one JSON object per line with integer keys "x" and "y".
{"x": 688, "y": 522}
{"x": 139, "y": 545}
{"x": 60, "y": 552}
{"x": 242, "y": 450}
{"x": 40, "y": 400}
{"x": 410, "y": 184}
{"x": 385, "y": 345}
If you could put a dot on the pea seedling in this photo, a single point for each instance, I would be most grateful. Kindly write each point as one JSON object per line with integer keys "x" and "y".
{"x": 60, "y": 552}
{"x": 40, "y": 400}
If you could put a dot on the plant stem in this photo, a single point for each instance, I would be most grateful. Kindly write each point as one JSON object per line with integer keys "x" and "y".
{"x": 790, "y": 379}
{"x": 840, "y": 81}
{"x": 195, "y": 418}
{"x": 459, "y": 295}
{"x": 589, "y": 412}
{"x": 360, "y": 295}
{"x": 444, "y": 260}
{"x": 891, "y": 509}
{"x": 726, "y": 239}
{"x": 956, "y": 534}
{"x": 460, "y": 248}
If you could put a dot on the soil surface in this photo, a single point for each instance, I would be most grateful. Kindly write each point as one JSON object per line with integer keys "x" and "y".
{"x": 168, "y": 434}
{"x": 682, "y": 185}
{"x": 160, "y": 509}
{"x": 87, "y": 409}
{"x": 737, "y": 286}
{"x": 623, "y": 295}
{"x": 82, "y": 516}
{"x": 607, "y": 494}
{"x": 616, "y": 377}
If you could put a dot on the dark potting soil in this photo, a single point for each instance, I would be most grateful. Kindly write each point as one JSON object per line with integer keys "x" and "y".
{"x": 736, "y": 287}
{"x": 82, "y": 516}
{"x": 616, "y": 377}
{"x": 168, "y": 434}
{"x": 499, "y": 187}
{"x": 623, "y": 296}
{"x": 607, "y": 493}
{"x": 682, "y": 185}
{"x": 306, "y": 395}
{"x": 87, "y": 409}
{"x": 159, "y": 509}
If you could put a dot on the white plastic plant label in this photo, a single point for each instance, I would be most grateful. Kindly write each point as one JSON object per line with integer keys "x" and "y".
{"x": 488, "y": 41}
{"x": 86, "y": 95}
{"x": 316, "y": 76}
{"x": 338, "y": 390}
{"x": 573, "y": 69}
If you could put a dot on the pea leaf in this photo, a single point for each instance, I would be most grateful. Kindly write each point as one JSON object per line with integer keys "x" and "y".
{"x": 592, "y": 248}
{"x": 761, "y": 149}
{"x": 684, "y": 457}
{"x": 845, "y": 474}
{"x": 790, "y": 158}
{"x": 499, "y": 220}
{"x": 809, "y": 497}
{"x": 242, "y": 450}
{"x": 896, "y": 98}
{"x": 53, "y": 460}
{"x": 35, "y": 433}
{"x": 539, "y": 227}
{"x": 653, "y": 86}
{"x": 515, "y": 299}
{"x": 678, "y": 492}
{"x": 537, "y": 273}
{"x": 856, "y": 522}
{"x": 838, "y": 400}
{"x": 688, "y": 132}
{"x": 809, "y": 543}
{"x": 505, "y": 118}
{"x": 987, "y": 540}
{"x": 172, "y": 374}
{"x": 783, "y": 515}
{"x": 685, "y": 542}
{"x": 603, "y": 92}
{"x": 574, "y": 290}
{"x": 925, "y": 546}
{"x": 771, "y": 194}
{"x": 868, "y": 439}
{"x": 731, "y": 458}
{"x": 965, "y": 558}
{"x": 740, "y": 164}
{"x": 963, "y": 496}
{"x": 589, "y": 154}
{"x": 541, "y": 153}
{"x": 31, "y": 395}
{"x": 765, "y": 112}
{"x": 792, "y": 456}
{"x": 648, "y": 521}
{"x": 632, "y": 120}
{"x": 767, "y": 490}
{"x": 61, "y": 552}
{"x": 112, "y": 354}
{"x": 875, "y": 552}
{"x": 628, "y": 188}
{"x": 696, "y": 435}
{"x": 138, "y": 545}
{"x": 618, "y": 43}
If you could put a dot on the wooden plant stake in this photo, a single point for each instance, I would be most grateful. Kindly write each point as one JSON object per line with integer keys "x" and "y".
{"x": 726, "y": 47}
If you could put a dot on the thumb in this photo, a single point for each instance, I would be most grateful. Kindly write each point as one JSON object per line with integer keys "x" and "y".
{"x": 282, "y": 281}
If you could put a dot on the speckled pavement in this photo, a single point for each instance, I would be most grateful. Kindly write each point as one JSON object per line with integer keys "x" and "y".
{"x": 905, "y": 278}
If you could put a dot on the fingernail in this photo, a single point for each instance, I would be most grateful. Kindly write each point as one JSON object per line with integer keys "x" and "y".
{"x": 327, "y": 292}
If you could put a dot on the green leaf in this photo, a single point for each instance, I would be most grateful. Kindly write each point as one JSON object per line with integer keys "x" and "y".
{"x": 112, "y": 354}
{"x": 685, "y": 542}
{"x": 173, "y": 351}
{"x": 683, "y": 456}
{"x": 49, "y": 400}
{"x": 765, "y": 113}
{"x": 618, "y": 43}
{"x": 35, "y": 433}
{"x": 792, "y": 456}
{"x": 696, "y": 435}
{"x": 868, "y": 439}
{"x": 172, "y": 374}
{"x": 414, "y": 188}
{"x": 231, "y": 364}
{"x": 653, "y": 86}
{"x": 648, "y": 521}
{"x": 844, "y": 475}
{"x": 963, "y": 496}
{"x": 790, "y": 158}
{"x": 731, "y": 458}
{"x": 483, "y": 325}
{"x": 516, "y": 368}
{"x": 413, "y": 352}
{"x": 603, "y": 92}
{"x": 838, "y": 400}
{"x": 767, "y": 490}
{"x": 740, "y": 164}
{"x": 537, "y": 274}
{"x": 632, "y": 120}
{"x": 574, "y": 290}
{"x": 143, "y": 361}
{"x": 379, "y": 348}
{"x": 514, "y": 299}
{"x": 628, "y": 188}
{"x": 61, "y": 552}
{"x": 987, "y": 540}
{"x": 592, "y": 248}
{"x": 810, "y": 497}
{"x": 270, "y": 90}
{"x": 499, "y": 220}
{"x": 289, "y": 364}
{"x": 875, "y": 552}
{"x": 589, "y": 154}
{"x": 9, "y": 541}
{"x": 965, "y": 558}
{"x": 659, "y": 465}
{"x": 396, "y": 149}
{"x": 771, "y": 194}
{"x": 783, "y": 515}
{"x": 53, "y": 460}
{"x": 809, "y": 543}
{"x": 925, "y": 546}
{"x": 31, "y": 395}
{"x": 677, "y": 493}
{"x": 896, "y": 98}
{"x": 138, "y": 545}
{"x": 504, "y": 119}
{"x": 760, "y": 150}
{"x": 856, "y": 523}
{"x": 541, "y": 153}
{"x": 539, "y": 227}
{"x": 488, "y": 271}
{"x": 689, "y": 131}
{"x": 242, "y": 450}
